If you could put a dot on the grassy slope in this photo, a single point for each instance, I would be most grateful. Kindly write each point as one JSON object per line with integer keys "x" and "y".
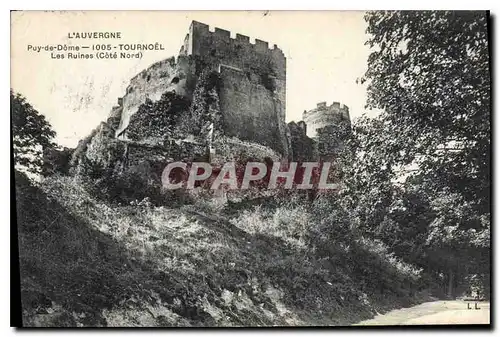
{"x": 86, "y": 263}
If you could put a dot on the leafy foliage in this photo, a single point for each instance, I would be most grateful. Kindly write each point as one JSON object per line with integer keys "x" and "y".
{"x": 419, "y": 174}
{"x": 157, "y": 119}
{"x": 204, "y": 112}
{"x": 430, "y": 74}
{"x": 31, "y": 134}
{"x": 56, "y": 161}
{"x": 143, "y": 265}
{"x": 332, "y": 137}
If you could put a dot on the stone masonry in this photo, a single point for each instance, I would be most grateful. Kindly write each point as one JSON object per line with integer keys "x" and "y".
{"x": 324, "y": 115}
{"x": 251, "y": 92}
{"x": 252, "y": 89}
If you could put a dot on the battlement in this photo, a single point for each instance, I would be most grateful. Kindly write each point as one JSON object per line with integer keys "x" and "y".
{"x": 222, "y": 33}
{"x": 261, "y": 45}
{"x": 324, "y": 115}
{"x": 225, "y": 35}
{"x": 242, "y": 38}
{"x": 339, "y": 106}
{"x": 219, "y": 46}
{"x": 321, "y": 106}
{"x": 334, "y": 106}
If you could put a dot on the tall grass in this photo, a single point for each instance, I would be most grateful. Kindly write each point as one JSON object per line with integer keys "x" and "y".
{"x": 86, "y": 262}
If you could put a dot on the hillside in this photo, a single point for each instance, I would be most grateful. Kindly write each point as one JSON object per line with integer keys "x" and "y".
{"x": 353, "y": 212}
{"x": 85, "y": 262}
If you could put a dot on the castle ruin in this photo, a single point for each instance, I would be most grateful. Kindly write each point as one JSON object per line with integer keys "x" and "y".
{"x": 251, "y": 92}
{"x": 323, "y": 116}
{"x": 244, "y": 109}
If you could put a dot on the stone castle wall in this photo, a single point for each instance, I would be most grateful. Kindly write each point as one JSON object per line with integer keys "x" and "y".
{"x": 250, "y": 111}
{"x": 265, "y": 68}
{"x": 165, "y": 75}
{"x": 252, "y": 89}
{"x": 218, "y": 47}
{"x": 249, "y": 91}
{"x": 324, "y": 115}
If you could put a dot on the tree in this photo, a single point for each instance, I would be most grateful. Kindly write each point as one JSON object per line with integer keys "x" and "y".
{"x": 429, "y": 74}
{"x": 31, "y": 134}
{"x": 331, "y": 138}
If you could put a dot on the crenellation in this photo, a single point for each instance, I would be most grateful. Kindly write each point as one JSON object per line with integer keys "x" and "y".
{"x": 250, "y": 95}
{"x": 323, "y": 116}
{"x": 242, "y": 38}
{"x": 261, "y": 45}
{"x": 225, "y": 35}
{"x": 252, "y": 86}
{"x": 222, "y": 34}
{"x": 199, "y": 26}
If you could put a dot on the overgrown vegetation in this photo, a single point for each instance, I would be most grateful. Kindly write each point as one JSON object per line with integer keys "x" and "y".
{"x": 157, "y": 119}
{"x": 134, "y": 265}
{"x": 31, "y": 134}
{"x": 418, "y": 175}
{"x": 204, "y": 111}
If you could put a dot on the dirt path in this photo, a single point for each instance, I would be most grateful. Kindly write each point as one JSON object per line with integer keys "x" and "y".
{"x": 438, "y": 312}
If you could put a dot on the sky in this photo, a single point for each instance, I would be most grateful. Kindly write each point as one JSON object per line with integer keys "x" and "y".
{"x": 325, "y": 54}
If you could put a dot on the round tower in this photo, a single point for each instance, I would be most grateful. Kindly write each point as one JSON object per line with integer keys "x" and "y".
{"x": 324, "y": 115}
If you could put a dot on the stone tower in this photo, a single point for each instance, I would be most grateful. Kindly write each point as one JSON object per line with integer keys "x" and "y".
{"x": 324, "y": 115}
{"x": 251, "y": 89}
{"x": 253, "y": 83}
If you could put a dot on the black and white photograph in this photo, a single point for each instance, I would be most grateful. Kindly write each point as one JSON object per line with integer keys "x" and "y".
{"x": 267, "y": 168}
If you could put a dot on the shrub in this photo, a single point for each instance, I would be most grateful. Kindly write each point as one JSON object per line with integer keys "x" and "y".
{"x": 157, "y": 119}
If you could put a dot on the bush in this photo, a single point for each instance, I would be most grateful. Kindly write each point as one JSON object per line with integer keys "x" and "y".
{"x": 56, "y": 161}
{"x": 290, "y": 224}
{"x": 157, "y": 119}
{"x": 130, "y": 187}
